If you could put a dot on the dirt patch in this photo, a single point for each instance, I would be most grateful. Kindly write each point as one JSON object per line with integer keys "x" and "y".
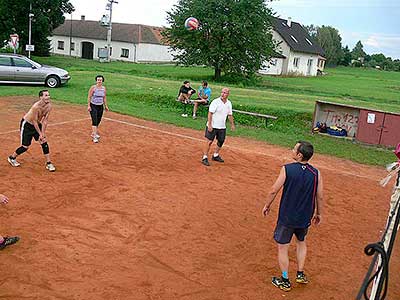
{"x": 138, "y": 217}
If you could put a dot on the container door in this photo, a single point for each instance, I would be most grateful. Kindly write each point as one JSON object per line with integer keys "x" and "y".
{"x": 390, "y": 131}
{"x": 370, "y": 125}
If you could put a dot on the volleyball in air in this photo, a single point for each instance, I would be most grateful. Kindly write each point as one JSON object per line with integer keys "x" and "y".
{"x": 191, "y": 23}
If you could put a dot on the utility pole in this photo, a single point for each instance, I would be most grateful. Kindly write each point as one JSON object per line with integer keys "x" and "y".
{"x": 70, "y": 37}
{"x": 109, "y": 7}
{"x": 31, "y": 15}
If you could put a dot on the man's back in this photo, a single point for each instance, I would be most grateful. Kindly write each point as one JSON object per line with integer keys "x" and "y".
{"x": 298, "y": 197}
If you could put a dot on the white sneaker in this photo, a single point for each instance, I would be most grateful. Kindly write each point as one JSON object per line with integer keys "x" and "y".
{"x": 184, "y": 115}
{"x": 97, "y": 136}
{"x": 13, "y": 162}
{"x": 95, "y": 140}
{"x": 50, "y": 167}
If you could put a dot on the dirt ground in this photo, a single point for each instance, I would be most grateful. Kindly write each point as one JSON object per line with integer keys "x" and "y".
{"x": 138, "y": 217}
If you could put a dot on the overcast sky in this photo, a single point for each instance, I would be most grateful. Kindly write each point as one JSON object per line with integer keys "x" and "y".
{"x": 375, "y": 22}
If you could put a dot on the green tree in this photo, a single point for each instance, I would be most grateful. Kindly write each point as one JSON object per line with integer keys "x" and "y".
{"x": 47, "y": 16}
{"x": 331, "y": 41}
{"x": 346, "y": 58}
{"x": 358, "y": 51}
{"x": 312, "y": 31}
{"x": 233, "y": 37}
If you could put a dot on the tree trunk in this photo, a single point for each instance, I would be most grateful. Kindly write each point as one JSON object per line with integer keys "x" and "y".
{"x": 217, "y": 73}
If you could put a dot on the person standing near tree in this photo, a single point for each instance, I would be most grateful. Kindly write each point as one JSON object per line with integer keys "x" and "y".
{"x": 34, "y": 125}
{"x": 301, "y": 204}
{"x": 97, "y": 102}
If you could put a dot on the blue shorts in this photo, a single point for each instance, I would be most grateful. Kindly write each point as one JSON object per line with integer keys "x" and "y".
{"x": 283, "y": 234}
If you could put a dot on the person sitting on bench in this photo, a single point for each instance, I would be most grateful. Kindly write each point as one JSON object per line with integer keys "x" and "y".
{"x": 185, "y": 92}
{"x": 204, "y": 97}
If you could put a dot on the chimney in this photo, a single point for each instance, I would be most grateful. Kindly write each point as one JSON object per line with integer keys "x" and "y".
{"x": 289, "y": 22}
{"x": 82, "y": 17}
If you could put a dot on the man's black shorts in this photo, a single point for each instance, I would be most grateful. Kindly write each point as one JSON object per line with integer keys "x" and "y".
{"x": 283, "y": 234}
{"x": 220, "y": 134}
{"x": 28, "y": 132}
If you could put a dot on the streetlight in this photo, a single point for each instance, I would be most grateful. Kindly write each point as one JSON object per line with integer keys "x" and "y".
{"x": 31, "y": 15}
{"x": 109, "y": 7}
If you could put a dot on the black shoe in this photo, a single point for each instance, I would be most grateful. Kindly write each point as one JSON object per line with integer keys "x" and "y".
{"x": 205, "y": 162}
{"x": 283, "y": 284}
{"x": 217, "y": 158}
{"x": 8, "y": 240}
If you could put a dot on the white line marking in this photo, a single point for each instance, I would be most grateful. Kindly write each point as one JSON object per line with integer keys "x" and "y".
{"x": 227, "y": 146}
{"x": 50, "y": 125}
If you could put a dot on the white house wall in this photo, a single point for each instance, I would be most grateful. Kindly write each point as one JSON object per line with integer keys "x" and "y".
{"x": 273, "y": 67}
{"x": 137, "y": 53}
{"x": 302, "y": 67}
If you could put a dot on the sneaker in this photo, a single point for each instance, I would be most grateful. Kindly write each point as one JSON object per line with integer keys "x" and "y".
{"x": 205, "y": 162}
{"x": 13, "y": 161}
{"x": 8, "y": 240}
{"x": 95, "y": 136}
{"x": 217, "y": 158}
{"x": 284, "y": 285}
{"x": 50, "y": 167}
{"x": 95, "y": 140}
{"x": 194, "y": 117}
{"x": 301, "y": 278}
{"x": 184, "y": 115}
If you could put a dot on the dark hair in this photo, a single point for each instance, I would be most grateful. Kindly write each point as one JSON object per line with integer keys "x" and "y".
{"x": 306, "y": 149}
{"x": 101, "y": 76}
{"x": 205, "y": 83}
{"x": 41, "y": 92}
{"x": 186, "y": 81}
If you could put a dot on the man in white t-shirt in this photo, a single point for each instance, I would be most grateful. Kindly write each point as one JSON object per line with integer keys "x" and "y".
{"x": 219, "y": 109}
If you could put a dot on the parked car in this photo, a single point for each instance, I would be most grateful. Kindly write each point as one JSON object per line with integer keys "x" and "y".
{"x": 15, "y": 68}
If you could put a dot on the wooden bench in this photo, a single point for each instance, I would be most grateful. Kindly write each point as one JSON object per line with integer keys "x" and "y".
{"x": 256, "y": 115}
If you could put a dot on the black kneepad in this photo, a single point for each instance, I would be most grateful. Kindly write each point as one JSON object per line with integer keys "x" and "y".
{"x": 45, "y": 148}
{"x": 21, "y": 150}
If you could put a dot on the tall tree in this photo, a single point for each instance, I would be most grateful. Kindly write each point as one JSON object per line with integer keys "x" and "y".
{"x": 358, "y": 51}
{"x": 234, "y": 35}
{"x": 14, "y": 18}
{"x": 312, "y": 31}
{"x": 346, "y": 58}
{"x": 331, "y": 41}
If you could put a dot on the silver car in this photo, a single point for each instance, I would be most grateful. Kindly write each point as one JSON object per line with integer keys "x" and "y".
{"x": 16, "y": 68}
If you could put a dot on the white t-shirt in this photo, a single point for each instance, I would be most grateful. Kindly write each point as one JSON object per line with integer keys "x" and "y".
{"x": 220, "y": 111}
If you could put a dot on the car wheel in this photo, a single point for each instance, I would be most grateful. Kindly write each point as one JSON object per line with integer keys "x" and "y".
{"x": 52, "y": 81}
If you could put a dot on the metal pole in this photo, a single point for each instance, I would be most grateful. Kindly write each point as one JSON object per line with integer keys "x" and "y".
{"x": 30, "y": 28}
{"x": 110, "y": 4}
{"x": 70, "y": 37}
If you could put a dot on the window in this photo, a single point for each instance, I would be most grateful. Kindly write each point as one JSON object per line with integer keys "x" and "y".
{"x": 124, "y": 52}
{"x": 296, "y": 62}
{"x": 21, "y": 63}
{"x": 60, "y": 45}
{"x": 72, "y": 46}
{"x": 309, "y": 62}
{"x": 5, "y": 61}
{"x": 308, "y": 41}
{"x": 294, "y": 39}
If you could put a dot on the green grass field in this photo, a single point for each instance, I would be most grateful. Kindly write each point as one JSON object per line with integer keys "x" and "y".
{"x": 148, "y": 91}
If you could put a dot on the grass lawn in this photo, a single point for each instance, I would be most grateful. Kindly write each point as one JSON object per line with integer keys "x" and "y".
{"x": 148, "y": 91}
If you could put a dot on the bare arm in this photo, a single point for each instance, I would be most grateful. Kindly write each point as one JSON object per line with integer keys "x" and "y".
{"x": 230, "y": 117}
{"x": 44, "y": 123}
{"x": 274, "y": 191}
{"x": 209, "y": 121}
{"x": 35, "y": 117}
{"x": 105, "y": 99}
{"x": 319, "y": 203}
{"x": 90, "y": 94}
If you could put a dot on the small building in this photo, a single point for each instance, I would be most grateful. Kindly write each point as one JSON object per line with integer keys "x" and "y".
{"x": 129, "y": 42}
{"x": 299, "y": 54}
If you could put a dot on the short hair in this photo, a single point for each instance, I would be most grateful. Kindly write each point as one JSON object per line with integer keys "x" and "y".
{"x": 205, "y": 82}
{"x": 306, "y": 149}
{"x": 186, "y": 81}
{"x": 99, "y": 76}
{"x": 41, "y": 92}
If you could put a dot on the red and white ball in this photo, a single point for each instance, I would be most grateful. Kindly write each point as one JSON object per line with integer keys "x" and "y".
{"x": 191, "y": 23}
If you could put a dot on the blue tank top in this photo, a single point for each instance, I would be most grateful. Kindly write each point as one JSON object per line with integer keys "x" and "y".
{"x": 98, "y": 96}
{"x": 299, "y": 193}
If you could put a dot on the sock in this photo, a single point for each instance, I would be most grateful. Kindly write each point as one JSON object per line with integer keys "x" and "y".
{"x": 285, "y": 275}
{"x": 216, "y": 154}
{"x": 49, "y": 162}
{"x": 205, "y": 156}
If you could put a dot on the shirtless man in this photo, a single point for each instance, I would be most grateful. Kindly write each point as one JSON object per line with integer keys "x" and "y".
{"x": 34, "y": 125}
